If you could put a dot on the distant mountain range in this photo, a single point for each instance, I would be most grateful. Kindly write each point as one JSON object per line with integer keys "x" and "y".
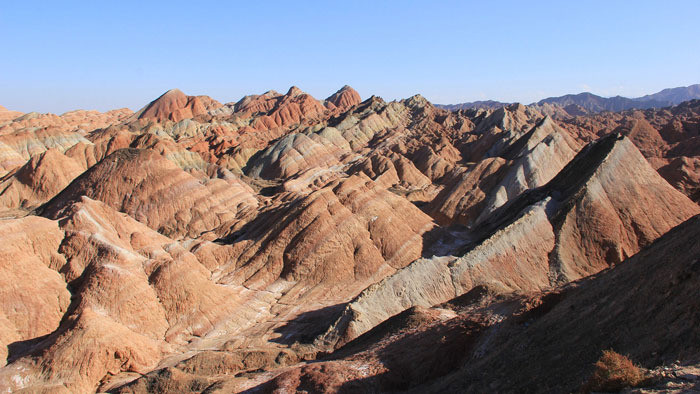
{"x": 594, "y": 103}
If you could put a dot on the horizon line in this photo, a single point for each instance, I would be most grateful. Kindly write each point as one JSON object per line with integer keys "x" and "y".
{"x": 365, "y": 98}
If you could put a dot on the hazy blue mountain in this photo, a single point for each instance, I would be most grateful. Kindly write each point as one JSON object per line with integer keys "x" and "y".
{"x": 674, "y": 95}
{"x": 594, "y": 103}
{"x": 487, "y": 104}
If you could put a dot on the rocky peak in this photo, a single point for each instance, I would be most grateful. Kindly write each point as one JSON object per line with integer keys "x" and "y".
{"x": 416, "y": 101}
{"x": 516, "y": 107}
{"x": 175, "y": 105}
{"x": 294, "y": 92}
{"x": 344, "y": 98}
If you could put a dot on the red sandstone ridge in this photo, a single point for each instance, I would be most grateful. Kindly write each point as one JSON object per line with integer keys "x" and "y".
{"x": 161, "y": 194}
{"x": 176, "y": 106}
{"x": 344, "y": 98}
{"x": 291, "y": 108}
{"x": 36, "y": 182}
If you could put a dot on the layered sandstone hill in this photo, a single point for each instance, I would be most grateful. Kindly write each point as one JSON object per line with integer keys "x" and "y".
{"x": 6, "y": 114}
{"x": 588, "y": 217}
{"x": 176, "y": 106}
{"x": 197, "y": 246}
{"x": 529, "y": 161}
{"x": 669, "y": 138}
{"x": 38, "y": 180}
{"x": 481, "y": 342}
{"x": 344, "y": 98}
{"x": 32, "y": 134}
{"x": 160, "y": 194}
{"x": 137, "y": 296}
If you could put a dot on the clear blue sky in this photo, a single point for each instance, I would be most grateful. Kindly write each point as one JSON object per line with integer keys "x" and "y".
{"x": 58, "y": 56}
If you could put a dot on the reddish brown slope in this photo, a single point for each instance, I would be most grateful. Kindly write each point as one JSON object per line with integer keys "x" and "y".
{"x": 157, "y": 192}
{"x": 39, "y": 180}
{"x": 6, "y": 114}
{"x": 344, "y": 98}
{"x": 348, "y": 231}
{"x": 135, "y": 297}
{"x": 33, "y": 296}
{"x": 669, "y": 138}
{"x": 646, "y": 307}
{"x": 176, "y": 106}
{"x": 529, "y": 344}
{"x": 601, "y": 208}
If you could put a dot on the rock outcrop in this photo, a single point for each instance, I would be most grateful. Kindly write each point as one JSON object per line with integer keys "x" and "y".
{"x": 348, "y": 231}
{"x": 528, "y": 162}
{"x": 176, "y": 106}
{"x": 344, "y": 98}
{"x": 604, "y": 206}
{"x": 159, "y": 194}
{"x": 136, "y": 295}
{"x": 33, "y": 294}
{"x": 39, "y": 180}
{"x": 668, "y": 138}
{"x": 481, "y": 342}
